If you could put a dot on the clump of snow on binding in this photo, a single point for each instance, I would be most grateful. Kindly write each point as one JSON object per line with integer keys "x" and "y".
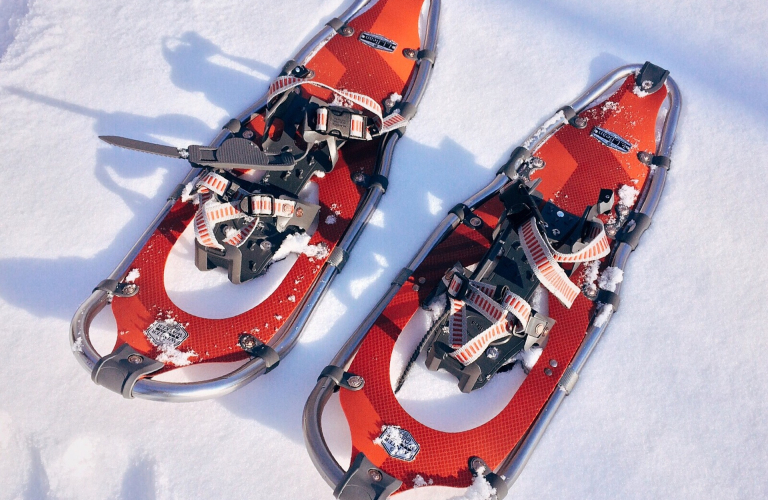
{"x": 299, "y": 244}
{"x": 528, "y": 358}
{"x": 611, "y": 277}
{"x": 603, "y": 315}
{"x": 639, "y": 92}
{"x": 419, "y": 482}
{"x": 330, "y": 220}
{"x": 589, "y": 275}
{"x": 480, "y": 489}
{"x": 628, "y": 195}
{"x": 132, "y": 276}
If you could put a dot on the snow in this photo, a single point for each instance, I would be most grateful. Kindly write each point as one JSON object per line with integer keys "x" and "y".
{"x": 661, "y": 409}
{"x": 628, "y": 195}
{"x": 132, "y": 275}
{"x": 609, "y": 278}
{"x": 480, "y": 489}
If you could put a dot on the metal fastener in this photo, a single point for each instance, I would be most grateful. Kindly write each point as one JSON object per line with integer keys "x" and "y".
{"x": 358, "y": 177}
{"x": 547, "y": 372}
{"x": 130, "y": 288}
{"x": 492, "y": 352}
{"x": 553, "y": 363}
{"x": 416, "y": 288}
{"x": 536, "y": 162}
{"x": 647, "y": 85}
{"x": 135, "y": 359}
{"x": 375, "y": 475}
{"x": 580, "y": 122}
{"x": 476, "y": 464}
{"x": 247, "y": 342}
{"x": 347, "y": 31}
{"x": 248, "y": 134}
{"x": 409, "y": 53}
{"x": 265, "y": 245}
{"x": 645, "y": 157}
{"x": 611, "y": 230}
{"x": 355, "y": 381}
{"x": 422, "y": 280}
{"x": 475, "y": 222}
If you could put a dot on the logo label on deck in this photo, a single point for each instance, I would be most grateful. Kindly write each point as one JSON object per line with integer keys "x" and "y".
{"x": 613, "y": 141}
{"x": 378, "y": 42}
{"x": 165, "y": 333}
{"x": 398, "y": 443}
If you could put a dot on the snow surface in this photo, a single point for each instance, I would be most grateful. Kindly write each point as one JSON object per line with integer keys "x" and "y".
{"x": 661, "y": 410}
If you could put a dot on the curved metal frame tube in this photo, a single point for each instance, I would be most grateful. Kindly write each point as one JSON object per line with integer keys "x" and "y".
{"x": 512, "y": 466}
{"x": 285, "y": 340}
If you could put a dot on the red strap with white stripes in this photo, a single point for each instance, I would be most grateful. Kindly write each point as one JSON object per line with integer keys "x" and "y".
{"x": 544, "y": 260}
{"x": 479, "y": 297}
{"x": 393, "y": 121}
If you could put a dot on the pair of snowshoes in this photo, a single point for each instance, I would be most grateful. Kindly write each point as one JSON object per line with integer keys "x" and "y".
{"x": 524, "y": 275}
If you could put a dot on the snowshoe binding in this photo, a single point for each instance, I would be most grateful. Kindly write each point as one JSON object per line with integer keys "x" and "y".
{"x": 525, "y": 276}
{"x": 288, "y": 184}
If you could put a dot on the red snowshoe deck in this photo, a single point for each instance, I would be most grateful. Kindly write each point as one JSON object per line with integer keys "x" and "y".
{"x": 344, "y": 63}
{"x": 577, "y": 167}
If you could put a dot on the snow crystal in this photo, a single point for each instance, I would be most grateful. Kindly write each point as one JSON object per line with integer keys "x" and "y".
{"x": 611, "y": 106}
{"x": 230, "y": 232}
{"x": 611, "y": 277}
{"x": 544, "y": 129}
{"x": 480, "y": 489}
{"x": 169, "y": 354}
{"x": 293, "y": 243}
{"x": 77, "y": 345}
{"x": 640, "y": 92}
{"x": 528, "y": 357}
{"x": 435, "y": 308}
{"x": 132, "y": 276}
{"x": 395, "y": 97}
{"x": 291, "y": 298}
{"x": 419, "y": 481}
{"x": 590, "y": 272}
{"x": 628, "y": 195}
{"x": 603, "y": 315}
{"x": 330, "y": 220}
{"x": 186, "y": 193}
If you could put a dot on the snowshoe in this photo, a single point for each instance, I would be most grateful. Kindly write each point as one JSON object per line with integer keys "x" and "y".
{"x": 276, "y": 202}
{"x": 522, "y": 278}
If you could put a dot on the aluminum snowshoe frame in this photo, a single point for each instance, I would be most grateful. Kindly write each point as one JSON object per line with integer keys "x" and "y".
{"x": 135, "y": 384}
{"x": 507, "y": 472}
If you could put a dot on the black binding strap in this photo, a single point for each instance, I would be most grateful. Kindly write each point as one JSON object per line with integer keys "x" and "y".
{"x": 651, "y": 77}
{"x": 467, "y": 216}
{"x": 517, "y": 158}
{"x": 258, "y": 349}
{"x": 633, "y": 229}
{"x": 611, "y": 298}
{"x": 118, "y": 289}
{"x": 338, "y": 258}
{"x": 120, "y": 370}
{"x": 365, "y": 481}
{"x": 662, "y": 161}
{"x": 342, "y": 378}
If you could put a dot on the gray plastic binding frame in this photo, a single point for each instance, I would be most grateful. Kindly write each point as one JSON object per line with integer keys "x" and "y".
{"x": 286, "y": 338}
{"x": 513, "y": 465}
